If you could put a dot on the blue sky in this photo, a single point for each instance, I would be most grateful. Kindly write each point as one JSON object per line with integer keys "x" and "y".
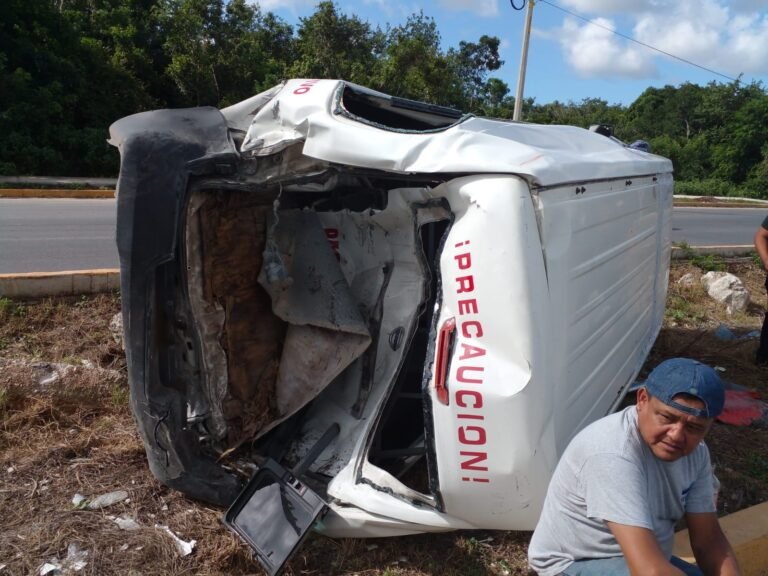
{"x": 570, "y": 59}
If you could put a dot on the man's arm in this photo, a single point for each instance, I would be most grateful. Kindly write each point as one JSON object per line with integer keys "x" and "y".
{"x": 761, "y": 245}
{"x": 713, "y": 553}
{"x": 641, "y": 551}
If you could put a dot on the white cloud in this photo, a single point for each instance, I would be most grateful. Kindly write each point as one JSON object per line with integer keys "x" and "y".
{"x": 594, "y": 51}
{"x": 269, "y": 5}
{"x": 608, "y": 6}
{"x": 392, "y": 10}
{"x": 710, "y": 34}
{"x": 728, "y": 36}
{"x": 480, "y": 7}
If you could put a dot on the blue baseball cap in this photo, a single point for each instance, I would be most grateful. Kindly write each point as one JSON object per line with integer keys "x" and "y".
{"x": 686, "y": 376}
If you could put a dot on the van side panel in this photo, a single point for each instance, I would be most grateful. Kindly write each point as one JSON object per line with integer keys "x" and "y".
{"x": 606, "y": 251}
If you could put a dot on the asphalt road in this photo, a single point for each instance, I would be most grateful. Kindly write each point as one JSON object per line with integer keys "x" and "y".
{"x": 49, "y": 235}
{"x": 716, "y": 226}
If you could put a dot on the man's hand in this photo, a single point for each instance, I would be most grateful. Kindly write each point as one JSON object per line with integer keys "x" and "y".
{"x": 761, "y": 245}
{"x": 713, "y": 553}
{"x": 641, "y": 551}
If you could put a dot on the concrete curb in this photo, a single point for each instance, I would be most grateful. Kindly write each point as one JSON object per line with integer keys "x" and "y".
{"x": 726, "y": 199}
{"x": 68, "y": 283}
{"x": 724, "y": 251}
{"x": 54, "y": 193}
{"x": 747, "y": 531}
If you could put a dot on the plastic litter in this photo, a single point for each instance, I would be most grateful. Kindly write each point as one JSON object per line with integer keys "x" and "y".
{"x": 184, "y": 548}
{"x": 126, "y": 522}
{"x": 106, "y": 500}
{"x": 75, "y": 561}
{"x": 743, "y": 408}
{"x": 722, "y": 332}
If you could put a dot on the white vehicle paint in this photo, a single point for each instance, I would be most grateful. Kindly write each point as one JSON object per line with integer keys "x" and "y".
{"x": 551, "y": 249}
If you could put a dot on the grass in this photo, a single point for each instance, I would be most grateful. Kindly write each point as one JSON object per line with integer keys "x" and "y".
{"x": 757, "y": 467}
{"x": 78, "y": 436}
{"x": 704, "y": 262}
{"x": 9, "y": 308}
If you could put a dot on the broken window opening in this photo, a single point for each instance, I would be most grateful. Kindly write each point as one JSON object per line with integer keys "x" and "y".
{"x": 397, "y": 113}
{"x": 352, "y": 198}
{"x": 398, "y": 444}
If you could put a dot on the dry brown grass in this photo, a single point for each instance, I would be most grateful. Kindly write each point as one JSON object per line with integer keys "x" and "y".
{"x": 76, "y": 435}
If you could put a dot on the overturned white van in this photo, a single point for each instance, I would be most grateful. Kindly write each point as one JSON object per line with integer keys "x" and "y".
{"x": 409, "y": 310}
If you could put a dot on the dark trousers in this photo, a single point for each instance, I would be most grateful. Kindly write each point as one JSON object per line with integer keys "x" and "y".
{"x": 762, "y": 351}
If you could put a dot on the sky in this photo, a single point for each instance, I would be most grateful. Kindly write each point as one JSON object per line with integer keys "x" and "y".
{"x": 570, "y": 58}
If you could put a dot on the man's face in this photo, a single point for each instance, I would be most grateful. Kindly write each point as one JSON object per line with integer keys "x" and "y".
{"x": 670, "y": 433}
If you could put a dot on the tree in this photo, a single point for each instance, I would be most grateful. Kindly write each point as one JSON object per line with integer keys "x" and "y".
{"x": 333, "y": 45}
{"x": 472, "y": 62}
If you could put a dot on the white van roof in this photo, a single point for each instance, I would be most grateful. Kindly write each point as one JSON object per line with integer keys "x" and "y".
{"x": 402, "y": 136}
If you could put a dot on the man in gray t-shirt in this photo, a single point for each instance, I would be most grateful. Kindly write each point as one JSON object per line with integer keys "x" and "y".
{"x": 624, "y": 482}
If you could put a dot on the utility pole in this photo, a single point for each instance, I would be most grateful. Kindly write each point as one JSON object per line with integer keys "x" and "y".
{"x": 523, "y": 62}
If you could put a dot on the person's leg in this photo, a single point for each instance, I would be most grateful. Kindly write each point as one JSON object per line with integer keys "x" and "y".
{"x": 615, "y": 566}
{"x": 689, "y": 569}
{"x": 761, "y": 357}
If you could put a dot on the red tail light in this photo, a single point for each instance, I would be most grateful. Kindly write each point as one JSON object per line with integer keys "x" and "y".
{"x": 444, "y": 348}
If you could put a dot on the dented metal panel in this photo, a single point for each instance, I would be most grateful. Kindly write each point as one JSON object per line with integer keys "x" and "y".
{"x": 456, "y": 296}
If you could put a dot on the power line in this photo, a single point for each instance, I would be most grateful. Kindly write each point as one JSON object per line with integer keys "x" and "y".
{"x": 659, "y": 50}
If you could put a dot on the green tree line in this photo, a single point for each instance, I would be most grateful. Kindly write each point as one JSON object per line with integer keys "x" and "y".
{"x": 69, "y": 68}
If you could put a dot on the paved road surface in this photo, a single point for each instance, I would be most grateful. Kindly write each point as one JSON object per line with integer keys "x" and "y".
{"x": 23, "y": 181}
{"x": 48, "y": 235}
{"x": 716, "y": 226}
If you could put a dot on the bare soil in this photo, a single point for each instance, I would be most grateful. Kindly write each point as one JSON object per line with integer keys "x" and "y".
{"x": 67, "y": 431}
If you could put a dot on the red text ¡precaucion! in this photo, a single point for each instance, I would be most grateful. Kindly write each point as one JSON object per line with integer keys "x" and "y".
{"x": 470, "y": 373}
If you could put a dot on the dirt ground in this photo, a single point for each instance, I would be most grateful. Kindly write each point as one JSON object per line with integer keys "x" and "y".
{"x": 66, "y": 429}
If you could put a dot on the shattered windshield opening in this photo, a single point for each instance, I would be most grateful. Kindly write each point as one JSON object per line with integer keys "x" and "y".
{"x": 397, "y": 113}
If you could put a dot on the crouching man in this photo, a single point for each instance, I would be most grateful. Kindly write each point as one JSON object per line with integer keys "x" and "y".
{"x": 624, "y": 482}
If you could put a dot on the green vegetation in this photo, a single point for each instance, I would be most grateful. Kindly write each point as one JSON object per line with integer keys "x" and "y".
{"x": 704, "y": 262}
{"x": 9, "y": 308}
{"x": 70, "y": 68}
{"x": 120, "y": 395}
{"x": 681, "y": 310}
{"x": 757, "y": 466}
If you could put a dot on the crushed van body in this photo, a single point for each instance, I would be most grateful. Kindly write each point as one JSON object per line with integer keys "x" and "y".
{"x": 458, "y": 296}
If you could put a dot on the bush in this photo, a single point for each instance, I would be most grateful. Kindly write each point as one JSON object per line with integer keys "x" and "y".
{"x": 714, "y": 187}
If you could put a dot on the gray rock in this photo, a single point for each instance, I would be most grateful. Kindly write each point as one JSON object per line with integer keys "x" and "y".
{"x": 728, "y": 289}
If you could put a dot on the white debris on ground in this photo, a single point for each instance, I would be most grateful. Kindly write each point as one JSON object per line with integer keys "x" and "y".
{"x": 125, "y": 522}
{"x": 116, "y": 329}
{"x": 184, "y": 548}
{"x": 47, "y": 373}
{"x": 688, "y": 279}
{"x": 728, "y": 289}
{"x": 75, "y": 561}
{"x": 106, "y": 500}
